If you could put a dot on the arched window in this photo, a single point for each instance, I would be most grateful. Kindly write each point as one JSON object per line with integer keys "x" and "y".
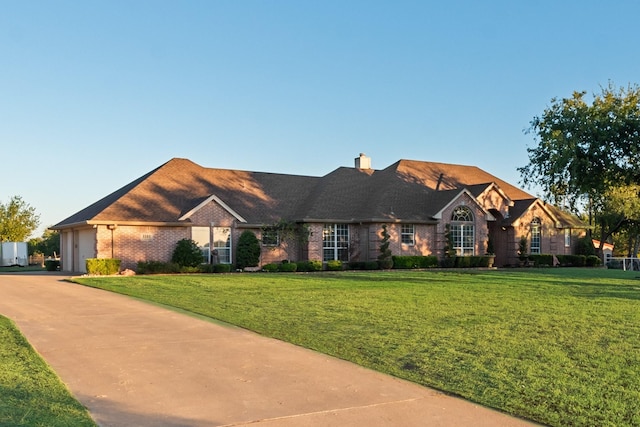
{"x": 462, "y": 231}
{"x": 536, "y": 236}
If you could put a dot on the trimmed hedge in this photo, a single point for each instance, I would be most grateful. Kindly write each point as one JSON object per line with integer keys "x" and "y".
{"x": 102, "y": 266}
{"x": 334, "y": 265}
{"x": 270, "y": 268}
{"x": 546, "y": 260}
{"x": 474, "y": 261}
{"x": 542, "y": 260}
{"x": 288, "y": 267}
{"x": 593, "y": 261}
{"x": 159, "y": 267}
{"x": 363, "y": 265}
{"x": 309, "y": 265}
{"x": 572, "y": 260}
{"x": 404, "y": 262}
{"x": 221, "y": 268}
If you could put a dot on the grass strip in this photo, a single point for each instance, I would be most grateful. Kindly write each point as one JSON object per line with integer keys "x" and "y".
{"x": 31, "y": 394}
{"x": 557, "y": 346}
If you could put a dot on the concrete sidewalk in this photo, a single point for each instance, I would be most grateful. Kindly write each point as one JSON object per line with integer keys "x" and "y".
{"x": 135, "y": 364}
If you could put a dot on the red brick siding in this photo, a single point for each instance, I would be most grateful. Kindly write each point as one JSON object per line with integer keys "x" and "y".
{"x": 139, "y": 243}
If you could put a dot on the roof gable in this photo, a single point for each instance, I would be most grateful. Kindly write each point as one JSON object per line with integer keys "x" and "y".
{"x": 407, "y": 190}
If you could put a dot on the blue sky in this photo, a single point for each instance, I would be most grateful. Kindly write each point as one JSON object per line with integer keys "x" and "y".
{"x": 94, "y": 94}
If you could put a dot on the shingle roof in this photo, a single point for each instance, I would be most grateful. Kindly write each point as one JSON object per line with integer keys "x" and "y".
{"x": 406, "y": 190}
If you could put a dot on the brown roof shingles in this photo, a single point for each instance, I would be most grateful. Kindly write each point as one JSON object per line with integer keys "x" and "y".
{"x": 406, "y": 190}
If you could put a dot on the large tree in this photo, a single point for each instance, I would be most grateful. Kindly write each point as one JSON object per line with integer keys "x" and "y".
{"x": 18, "y": 220}
{"x": 586, "y": 150}
{"x": 48, "y": 244}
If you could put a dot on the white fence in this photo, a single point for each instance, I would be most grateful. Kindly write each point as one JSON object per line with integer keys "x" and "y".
{"x": 632, "y": 264}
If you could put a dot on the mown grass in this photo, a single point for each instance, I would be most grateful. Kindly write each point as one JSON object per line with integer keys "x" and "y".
{"x": 31, "y": 394}
{"x": 558, "y": 346}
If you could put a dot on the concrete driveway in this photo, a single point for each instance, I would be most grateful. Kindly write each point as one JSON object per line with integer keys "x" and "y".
{"x": 135, "y": 364}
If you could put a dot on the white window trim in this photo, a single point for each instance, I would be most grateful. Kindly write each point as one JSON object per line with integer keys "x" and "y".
{"x": 404, "y": 233}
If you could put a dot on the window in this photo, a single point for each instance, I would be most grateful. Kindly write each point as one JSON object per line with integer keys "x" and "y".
{"x": 222, "y": 245}
{"x": 567, "y": 237}
{"x": 270, "y": 237}
{"x": 408, "y": 234}
{"x": 536, "y": 234}
{"x": 462, "y": 231}
{"x": 335, "y": 242}
{"x": 201, "y": 236}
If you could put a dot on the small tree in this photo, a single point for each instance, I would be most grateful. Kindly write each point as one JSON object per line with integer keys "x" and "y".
{"x": 187, "y": 254}
{"x": 449, "y": 249}
{"x": 17, "y": 220}
{"x": 385, "y": 259}
{"x": 523, "y": 248}
{"x": 248, "y": 251}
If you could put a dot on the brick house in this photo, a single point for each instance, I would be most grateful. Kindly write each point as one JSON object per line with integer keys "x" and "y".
{"x": 340, "y": 215}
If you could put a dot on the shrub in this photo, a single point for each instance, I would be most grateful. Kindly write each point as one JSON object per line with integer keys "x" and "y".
{"x": 593, "y": 261}
{"x": 463, "y": 262}
{"x": 157, "y": 267}
{"x": 205, "y": 268}
{"x": 385, "y": 261}
{"x": 288, "y": 267}
{"x": 270, "y": 268}
{"x": 102, "y": 266}
{"x": 584, "y": 246}
{"x": 542, "y": 260}
{"x": 404, "y": 262}
{"x": 187, "y": 254}
{"x": 355, "y": 265}
{"x": 52, "y": 264}
{"x": 221, "y": 268}
{"x": 572, "y": 260}
{"x": 448, "y": 262}
{"x": 309, "y": 265}
{"x": 371, "y": 265}
{"x": 334, "y": 265}
{"x": 248, "y": 250}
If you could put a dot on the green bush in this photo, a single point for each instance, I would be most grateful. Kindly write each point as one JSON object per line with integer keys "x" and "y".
{"x": 356, "y": 265}
{"x": 371, "y": 265}
{"x": 463, "y": 262}
{"x": 270, "y": 268}
{"x": 405, "y": 262}
{"x": 593, "y": 261}
{"x": 309, "y": 265}
{"x": 448, "y": 262}
{"x": 542, "y": 260}
{"x": 248, "y": 250}
{"x": 222, "y": 268}
{"x": 572, "y": 260}
{"x": 288, "y": 267}
{"x": 187, "y": 254}
{"x": 334, "y": 265}
{"x": 157, "y": 267}
{"x": 102, "y": 266}
{"x": 52, "y": 264}
{"x": 584, "y": 246}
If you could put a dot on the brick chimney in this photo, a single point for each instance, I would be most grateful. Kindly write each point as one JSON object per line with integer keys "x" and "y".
{"x": 363, "y": 162}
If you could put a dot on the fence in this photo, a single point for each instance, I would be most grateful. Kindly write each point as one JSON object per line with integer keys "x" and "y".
{"x": 625, "y": 263}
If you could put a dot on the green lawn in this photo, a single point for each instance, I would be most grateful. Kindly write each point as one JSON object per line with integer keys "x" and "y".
{"x": 30, "y": 392}
{"x": 558, "y": 346}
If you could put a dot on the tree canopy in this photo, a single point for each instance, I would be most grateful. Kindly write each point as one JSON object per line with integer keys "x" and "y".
{"x": 18, "y": 220}
{"x": 585, "y": 149}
